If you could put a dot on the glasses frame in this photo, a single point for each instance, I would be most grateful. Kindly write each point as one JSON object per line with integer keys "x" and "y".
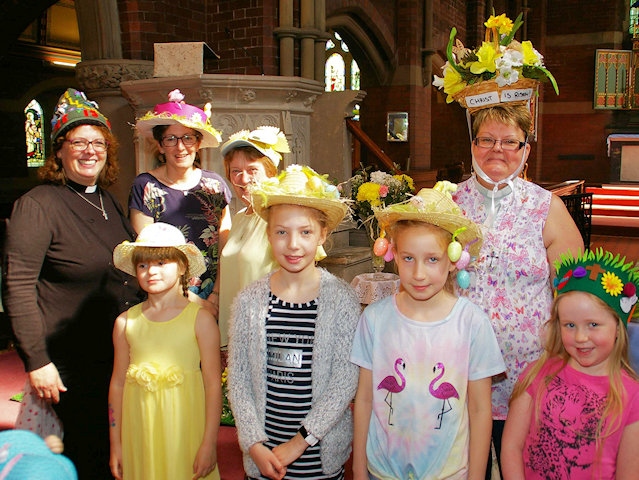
{"x": 187, "y": 143}
{"x": 501, "y": 144}
{"x": 76, "y": 142}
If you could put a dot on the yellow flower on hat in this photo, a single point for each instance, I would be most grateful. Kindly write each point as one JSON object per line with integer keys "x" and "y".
{"x": 451, "y": 82}
{"x": 612, "y": 284}
{"x": 502, "y": 23}
{"x": 486, "y": 56}
{"x": 531, "y": 56}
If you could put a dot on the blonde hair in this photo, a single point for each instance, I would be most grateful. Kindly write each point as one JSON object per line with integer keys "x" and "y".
{"x": 555, "y": 349}
{"x": 444, "y": 237}
{"x": 171, "y": 254}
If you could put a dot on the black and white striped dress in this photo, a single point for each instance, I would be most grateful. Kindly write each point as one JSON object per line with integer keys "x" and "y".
{"x": 290, "y": 331}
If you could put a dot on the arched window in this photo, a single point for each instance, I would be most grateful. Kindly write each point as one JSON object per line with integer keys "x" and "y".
{"x": 341, "y": 70}
{"x": 33, "y": 134}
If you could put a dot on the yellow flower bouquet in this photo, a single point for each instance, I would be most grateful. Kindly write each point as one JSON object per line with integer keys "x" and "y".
{"x": 500, "y": 59}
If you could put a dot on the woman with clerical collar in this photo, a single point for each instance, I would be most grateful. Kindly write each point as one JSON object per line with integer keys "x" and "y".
{"x": 62, "y": 293}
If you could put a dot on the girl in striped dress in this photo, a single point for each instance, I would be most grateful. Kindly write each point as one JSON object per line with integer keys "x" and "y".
{"x": 290, "y": 379}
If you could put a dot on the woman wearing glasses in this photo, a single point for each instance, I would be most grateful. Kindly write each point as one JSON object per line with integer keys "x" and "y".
{"x": 62, "y": 292}
{"x": 526, "y": 228}
{"x": 179, "y": 192}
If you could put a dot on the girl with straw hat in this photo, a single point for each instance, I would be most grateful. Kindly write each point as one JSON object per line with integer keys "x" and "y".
{"x": 290, "y": 380}
{"x": 165, "y": 398}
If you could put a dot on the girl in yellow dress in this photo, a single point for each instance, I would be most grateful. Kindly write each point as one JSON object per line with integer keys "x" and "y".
{"x": 165, "y": 397}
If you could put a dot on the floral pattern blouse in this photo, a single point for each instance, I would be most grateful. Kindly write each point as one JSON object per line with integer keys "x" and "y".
{"x": 196, "y": 212}
{"x": 511, "y": 278}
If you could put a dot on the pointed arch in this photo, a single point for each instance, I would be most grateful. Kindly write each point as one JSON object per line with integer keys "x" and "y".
{"x": 370, "y": 41}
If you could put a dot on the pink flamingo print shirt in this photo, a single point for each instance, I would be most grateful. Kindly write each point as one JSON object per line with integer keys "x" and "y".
{"x": 419, "y": 423}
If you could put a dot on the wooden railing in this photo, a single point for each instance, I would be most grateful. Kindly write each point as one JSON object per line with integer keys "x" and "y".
{"x": 361, "y": 139}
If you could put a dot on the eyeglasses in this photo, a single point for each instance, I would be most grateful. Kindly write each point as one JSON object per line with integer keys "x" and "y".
{"x": 171, "y": 140}
{"x": 81, "y": 144}
{"x": 507, "y": 144}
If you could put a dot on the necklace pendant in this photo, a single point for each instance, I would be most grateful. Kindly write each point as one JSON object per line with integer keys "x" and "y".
{"x": 104, "y": 214}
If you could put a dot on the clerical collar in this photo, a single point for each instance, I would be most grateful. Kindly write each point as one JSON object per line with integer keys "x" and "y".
{"x": 82, "y": 188}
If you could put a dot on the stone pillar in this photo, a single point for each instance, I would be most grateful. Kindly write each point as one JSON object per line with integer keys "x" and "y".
{"x": 320, "y": 41}
{"x": 99, "y": 26}
{"x": 307, "y": 47}
{"x": 287, "y": 37}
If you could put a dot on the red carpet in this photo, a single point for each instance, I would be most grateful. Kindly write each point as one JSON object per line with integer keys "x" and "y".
{"x": 12, "y": 378}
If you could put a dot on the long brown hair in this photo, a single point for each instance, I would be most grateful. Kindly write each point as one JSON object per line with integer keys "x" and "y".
{"x": 52, "y": 171}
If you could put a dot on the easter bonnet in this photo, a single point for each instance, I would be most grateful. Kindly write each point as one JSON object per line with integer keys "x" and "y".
{"x": 602, "y": 274}
{"x": 176, "y": 111}
{"x": 159, "y": 235}
{"x": 500, "y": 71}
{"x": 300, "y": 185}
{"x": 436, "y": 207}
{"x": 269, "y": 141}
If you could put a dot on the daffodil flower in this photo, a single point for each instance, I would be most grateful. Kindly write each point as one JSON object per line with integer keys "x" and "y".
{"x": 502, "y": 23}
{"x": 486, "y": 57}
{"x": 451, "y": 82}
{"x": 531, "y": 56}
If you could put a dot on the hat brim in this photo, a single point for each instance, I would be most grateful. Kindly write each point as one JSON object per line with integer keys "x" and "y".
{"x": 123, "y": 252}
{"x": 270, "y": 154}
{"x": 335, "y": 210}
{"x": 448, "y": 221}
{"x": 210, "y": 137}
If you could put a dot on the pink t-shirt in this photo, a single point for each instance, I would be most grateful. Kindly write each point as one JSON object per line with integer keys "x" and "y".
{"x": 563, "y": 444}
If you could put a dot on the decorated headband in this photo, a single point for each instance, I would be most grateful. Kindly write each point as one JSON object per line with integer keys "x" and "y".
{"x": 602, "y": 274}
{"x": 436, "y": 207}
{"x": 502, "y": 70}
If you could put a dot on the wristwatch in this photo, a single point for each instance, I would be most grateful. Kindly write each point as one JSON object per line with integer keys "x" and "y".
{"x": 308, "y": 437}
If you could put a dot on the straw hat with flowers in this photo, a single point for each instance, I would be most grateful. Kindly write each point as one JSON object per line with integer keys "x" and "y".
{"x": 435, "y": 206}
{"x": 269, "y": 141}
{"x": 159, "y": 235}
{"x": 300, "y": 185}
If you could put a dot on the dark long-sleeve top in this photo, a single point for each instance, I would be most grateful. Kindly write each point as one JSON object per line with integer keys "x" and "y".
{"x": 61, "y": 291}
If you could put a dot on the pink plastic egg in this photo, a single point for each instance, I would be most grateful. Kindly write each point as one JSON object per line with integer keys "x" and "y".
{"x": 380, "y": 247}
{"x": 463, "y": 261}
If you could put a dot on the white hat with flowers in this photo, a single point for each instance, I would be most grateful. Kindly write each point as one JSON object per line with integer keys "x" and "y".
{"x": 501, "y": 70}
{"x": 269, "y": 141}
{"x": 176, "y": 111}
{"x": 300, "y": 185}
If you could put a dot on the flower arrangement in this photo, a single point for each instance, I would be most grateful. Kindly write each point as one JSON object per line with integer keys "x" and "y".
{"x": 500, "y": 58}
{"x": 377, "y": 189}
{"x": 227, "y": 414}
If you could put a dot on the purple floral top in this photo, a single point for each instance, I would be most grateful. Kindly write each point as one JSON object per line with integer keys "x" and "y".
{"x": 196, "y": 212}
{"x": 511, "y": 278}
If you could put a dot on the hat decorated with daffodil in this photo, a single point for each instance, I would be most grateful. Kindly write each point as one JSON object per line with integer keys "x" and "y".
{"x": 501, "y": 70}
{"x": 300, "y": 185}
{"x": 269, "y": 141}
{"x": 602, "y": 274}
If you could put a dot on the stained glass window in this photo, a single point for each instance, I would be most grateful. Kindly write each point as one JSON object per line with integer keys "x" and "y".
{"x": 33, "y": 134}
{"x": 341, "y": 70}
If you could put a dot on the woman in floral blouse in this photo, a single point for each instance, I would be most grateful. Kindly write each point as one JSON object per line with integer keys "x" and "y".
{"x": 180, "y": 193}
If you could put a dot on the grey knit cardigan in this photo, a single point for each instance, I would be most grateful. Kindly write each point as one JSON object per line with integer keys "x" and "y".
{"x": 334, "y": 377}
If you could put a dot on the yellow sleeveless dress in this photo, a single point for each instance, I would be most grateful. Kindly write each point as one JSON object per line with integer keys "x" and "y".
{"x": 163, "y": 401}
